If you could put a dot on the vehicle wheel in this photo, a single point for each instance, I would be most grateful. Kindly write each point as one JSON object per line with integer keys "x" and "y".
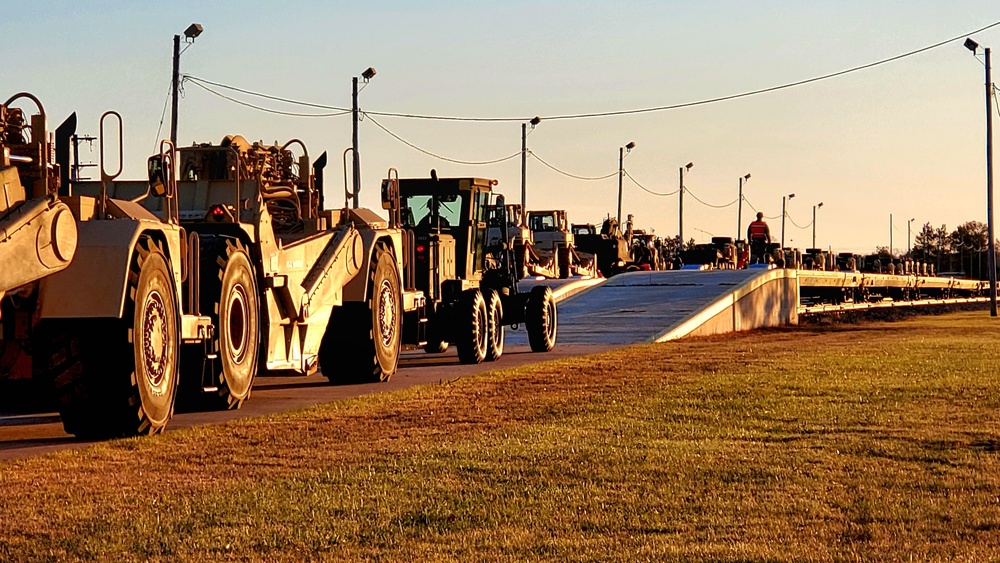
{"x": 472, "y": 327}
{"x": 494, "y": 324}
{"x": 540, "y": 319}
{"x": 118, "y": 377}
{"x": 564, "y": 262}
{"x": 229, "y": 297}
{"x": 362, "y": 341}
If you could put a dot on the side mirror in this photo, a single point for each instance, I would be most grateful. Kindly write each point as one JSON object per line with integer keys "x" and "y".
{"x": 157, "y": 183}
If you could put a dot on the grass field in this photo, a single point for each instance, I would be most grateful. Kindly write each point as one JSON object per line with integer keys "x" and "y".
{"x": 863, "y": 442}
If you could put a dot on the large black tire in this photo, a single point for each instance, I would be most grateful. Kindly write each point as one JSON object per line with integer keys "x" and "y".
{"x": 565, "y": 262}
{"x": 118, "y": 377}
{"x": 472, "y": 327}
{"x": 541, "y": 319}
{"x": 494, "y": 324}
{"x": 229, "y": 297}
{"x": 362, "y": 341}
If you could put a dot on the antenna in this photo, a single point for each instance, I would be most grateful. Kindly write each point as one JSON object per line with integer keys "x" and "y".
{"x": 77, "y": 166}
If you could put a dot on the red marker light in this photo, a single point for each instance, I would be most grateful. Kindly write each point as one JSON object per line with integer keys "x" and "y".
{"x": 421, "y": 249}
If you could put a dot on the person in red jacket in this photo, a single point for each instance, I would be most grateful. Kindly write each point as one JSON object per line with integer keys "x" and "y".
{"x": 759, "y": 235}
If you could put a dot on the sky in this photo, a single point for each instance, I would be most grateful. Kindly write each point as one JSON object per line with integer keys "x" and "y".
{"x": 905, "y": 139}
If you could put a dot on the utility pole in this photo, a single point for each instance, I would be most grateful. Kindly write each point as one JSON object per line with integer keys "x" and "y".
{"x": 621, "y": 169}
{"x": 524, "y": 165}
{"x": 991, "y": 260}
{"x": 174, "y": 87}
{"x": 355, "y": 160}
{"x": 739, "y": 209}
{"x": 890, "y": 236}
{"x": 680, "y": 208}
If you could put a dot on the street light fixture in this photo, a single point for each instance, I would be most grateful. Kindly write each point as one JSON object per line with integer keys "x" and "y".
{"x": 622, "y": 151}
{"x": 815, "y": 207}
{"x": 524, "y": 158}
{"x": 784, "y": 199}
{"x": 739, "y": 208}
{"x": 991, "y": 249}
{"x": 680, "y": 206}
{"x": 192, "y": 31}
{"x": 367, "y": 75}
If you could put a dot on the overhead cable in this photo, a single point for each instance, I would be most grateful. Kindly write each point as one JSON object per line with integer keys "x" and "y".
{"x": 699, "y": 200}
{"x": 647, "y": 190}
{"x": 437, "y": 156}
{"x": 264, "y": 109}
{"x": 631, "y": 111}
{"x": 567, "y": 174}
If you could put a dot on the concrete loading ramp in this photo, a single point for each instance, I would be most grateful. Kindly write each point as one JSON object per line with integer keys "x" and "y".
{"x": 657, "y": 306}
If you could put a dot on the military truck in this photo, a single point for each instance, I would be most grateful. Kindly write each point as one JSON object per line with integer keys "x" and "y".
{"x": 470, "y": 286}
{"x": 104, "y": 333}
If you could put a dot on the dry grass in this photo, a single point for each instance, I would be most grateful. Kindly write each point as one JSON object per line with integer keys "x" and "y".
{"x": 871, "y": 442}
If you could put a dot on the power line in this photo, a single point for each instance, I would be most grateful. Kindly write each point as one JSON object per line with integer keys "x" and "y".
{"x": 567, "y": 174}
{"x": 163, "y": 115}
{"x": 259, "y": 95}
{"x": 437, "y": 156}
{"x": 267, "y": 110}
{"x": 792, "y": 221}
{"x": 758, "y": 211}
{"x": 632, "y": 111}
{"x": 699, "y": 200}
{"x": 647, "y": 190}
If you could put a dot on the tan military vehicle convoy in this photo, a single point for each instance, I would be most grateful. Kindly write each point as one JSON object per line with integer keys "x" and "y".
{"x": 124, "y": 296}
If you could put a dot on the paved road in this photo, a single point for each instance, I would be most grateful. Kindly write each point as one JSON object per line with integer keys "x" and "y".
{"x": 24, "y": 435}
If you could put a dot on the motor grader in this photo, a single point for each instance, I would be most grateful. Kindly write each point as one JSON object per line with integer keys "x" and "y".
{"x": 103, "y": 332}
{"x": 289, "y": 285}
{"x": 470, "y": 285}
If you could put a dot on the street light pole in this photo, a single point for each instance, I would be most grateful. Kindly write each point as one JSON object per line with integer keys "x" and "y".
{"x": 192, "y": 31}
{"x": 524, "y": 163}
{"x": 622, "y": 151}
{"x": 355, "y": 160}
{"x": 890, "y": 236}
{"x": 991, "y": 246}
{"x": 174, "y": 87}
{"x": 991, "y": 260}
{"x": 524, "y": 160}
{"x": 680, "y": 205}
{"x": 814, "y": 223}
{"x": 909, "y": 247}
{"x": 739, "y": 209}
{"x": 783, "y": 215}
{"x": 355, "y": 157}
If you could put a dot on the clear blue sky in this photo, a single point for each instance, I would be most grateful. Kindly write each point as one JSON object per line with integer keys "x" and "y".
{"x": 905, "y": 138}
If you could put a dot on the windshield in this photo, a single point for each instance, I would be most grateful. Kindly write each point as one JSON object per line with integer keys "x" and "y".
{"x": 542, "y": 222}
{"x": 418, "y": 210}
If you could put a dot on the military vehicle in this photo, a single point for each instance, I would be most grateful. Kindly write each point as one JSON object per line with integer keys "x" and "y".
{"x": 612, "y": 248}
{"x": 104, "y": 332}
{"x": 553, "y": 240}
{"x": 528, "y": 261}
{"x": 289, "y": 286}
{"x": 470, "y": 286}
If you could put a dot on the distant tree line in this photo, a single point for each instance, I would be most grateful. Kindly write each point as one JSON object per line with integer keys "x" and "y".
{"x": 961, "y": 250}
